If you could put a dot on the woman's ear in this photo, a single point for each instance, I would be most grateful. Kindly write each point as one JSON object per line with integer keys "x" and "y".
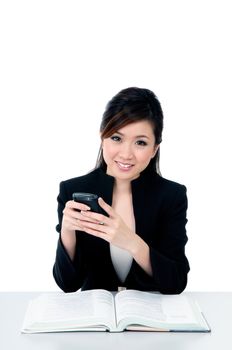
{"x": 155, "y": 150}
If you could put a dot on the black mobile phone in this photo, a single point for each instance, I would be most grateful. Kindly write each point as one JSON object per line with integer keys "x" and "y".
{"x": 89, "y": 199}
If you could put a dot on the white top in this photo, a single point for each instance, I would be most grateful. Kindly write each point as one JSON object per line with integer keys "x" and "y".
{"x": 122, "y": 261}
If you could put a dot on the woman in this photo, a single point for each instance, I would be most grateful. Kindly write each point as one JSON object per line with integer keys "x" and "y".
{"x": 140, "y": 242}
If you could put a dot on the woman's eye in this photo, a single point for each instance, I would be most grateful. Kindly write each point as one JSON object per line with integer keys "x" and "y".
{"x": 141, "y": 143}
{"x": 116, "y": 138}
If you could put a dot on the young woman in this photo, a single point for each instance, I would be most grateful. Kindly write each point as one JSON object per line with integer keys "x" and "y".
{"x": 140, "y": 242}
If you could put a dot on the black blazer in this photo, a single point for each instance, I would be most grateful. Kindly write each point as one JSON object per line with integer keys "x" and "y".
{"x": 160, "y": 215}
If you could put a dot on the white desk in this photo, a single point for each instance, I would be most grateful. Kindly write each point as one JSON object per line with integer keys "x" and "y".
{"x": 217, "y": 308}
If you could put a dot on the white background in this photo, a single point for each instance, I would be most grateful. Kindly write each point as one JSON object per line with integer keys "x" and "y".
{"x": 60, "y": 63}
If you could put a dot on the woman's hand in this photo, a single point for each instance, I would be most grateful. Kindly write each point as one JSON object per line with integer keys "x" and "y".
{"x": 112, "y": 229}
{"x": 71, "y": 222}
{"x": 72, "y": 218}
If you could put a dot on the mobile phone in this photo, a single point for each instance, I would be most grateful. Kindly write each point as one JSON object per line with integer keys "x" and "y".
{"x": 89, "y": 199}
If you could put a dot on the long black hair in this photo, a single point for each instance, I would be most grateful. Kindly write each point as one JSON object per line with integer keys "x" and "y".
{"x": 128, "y": 106}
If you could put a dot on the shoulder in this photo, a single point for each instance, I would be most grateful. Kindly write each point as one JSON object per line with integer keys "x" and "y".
{"x": 91, "y": 176}
{"x": 155, "y": 181}
{"x": 167, "y": 191}
{"x": 173, "y": 194}
{"x": 81, "y": 183}
{"x": 170, "y": 185}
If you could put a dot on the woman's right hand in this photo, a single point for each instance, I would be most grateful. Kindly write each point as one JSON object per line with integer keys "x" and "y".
{"x": 70, "y": 223}
{"x": 72, "y": 217}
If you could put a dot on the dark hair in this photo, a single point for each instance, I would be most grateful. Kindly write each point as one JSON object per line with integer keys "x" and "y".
{"x": 128, "y": 106}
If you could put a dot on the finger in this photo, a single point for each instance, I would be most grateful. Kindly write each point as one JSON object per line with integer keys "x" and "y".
{"x": 98, "y": 218}
{"x": 76, "y": 220}
{"x": 96, "y": 233}
{"x": 108, "y": 209}
{"x": 67, "y": 212}
{"x": 85, "y": 218}
{"x": 77, "y": 205}
{"x": 79, "y": 225}
{"x": 73, "y": 224}
{"x": 95, "y": 227}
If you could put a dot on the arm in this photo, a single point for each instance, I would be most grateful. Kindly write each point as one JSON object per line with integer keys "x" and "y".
{"x": 161, "y": 264}
{"x": 169, "y": 263}
{"x": 69, "y": 241}
{"x": 140, "y": 251}
{"x": 67, "y": 270}
{"x": 167, "y": 250}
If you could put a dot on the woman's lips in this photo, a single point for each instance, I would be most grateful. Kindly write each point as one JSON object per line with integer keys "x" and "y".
{"x": 124, "y": 166}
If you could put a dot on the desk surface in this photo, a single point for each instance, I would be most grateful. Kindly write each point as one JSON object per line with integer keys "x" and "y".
{"x": 217, "y": 308}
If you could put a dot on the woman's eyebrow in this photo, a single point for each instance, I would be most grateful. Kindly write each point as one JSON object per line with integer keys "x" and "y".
{"x": 136, "y": 137}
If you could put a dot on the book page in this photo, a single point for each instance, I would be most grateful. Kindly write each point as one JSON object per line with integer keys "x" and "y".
{"x": 71, "y": 310}
{"x": 153, "y": 310}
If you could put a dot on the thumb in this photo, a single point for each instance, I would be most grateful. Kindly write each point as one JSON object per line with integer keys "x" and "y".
{"x": 108, "y": 209}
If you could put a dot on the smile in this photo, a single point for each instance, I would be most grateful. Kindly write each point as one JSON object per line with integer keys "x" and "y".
{"x": 124, "y": 166}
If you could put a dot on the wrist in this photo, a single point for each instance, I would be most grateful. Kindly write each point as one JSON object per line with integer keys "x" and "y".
{"x": 135, "y": 245}
{"x": 68, "y": 233}
{"x": 140, "y": 252}
{"x": 68, "y": 239}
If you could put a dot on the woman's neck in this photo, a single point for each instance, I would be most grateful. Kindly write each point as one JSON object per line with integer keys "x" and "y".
{"x": 122, "y": 186}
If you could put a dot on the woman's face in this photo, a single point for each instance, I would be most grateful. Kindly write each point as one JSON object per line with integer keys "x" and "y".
{"x": 129, "y": 150}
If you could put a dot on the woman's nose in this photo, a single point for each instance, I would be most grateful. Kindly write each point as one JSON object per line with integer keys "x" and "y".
{"x": 126, "y": 152}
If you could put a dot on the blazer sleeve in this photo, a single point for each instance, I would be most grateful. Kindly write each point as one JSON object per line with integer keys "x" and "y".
{"x": 68, "y": 274}
{"x": 167, "y": 254}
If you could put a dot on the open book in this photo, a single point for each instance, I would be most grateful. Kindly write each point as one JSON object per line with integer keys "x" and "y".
{"x": 100, "y": 310}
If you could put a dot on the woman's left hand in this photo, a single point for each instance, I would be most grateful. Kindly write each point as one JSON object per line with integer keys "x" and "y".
{"x": 112, "y": 229}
